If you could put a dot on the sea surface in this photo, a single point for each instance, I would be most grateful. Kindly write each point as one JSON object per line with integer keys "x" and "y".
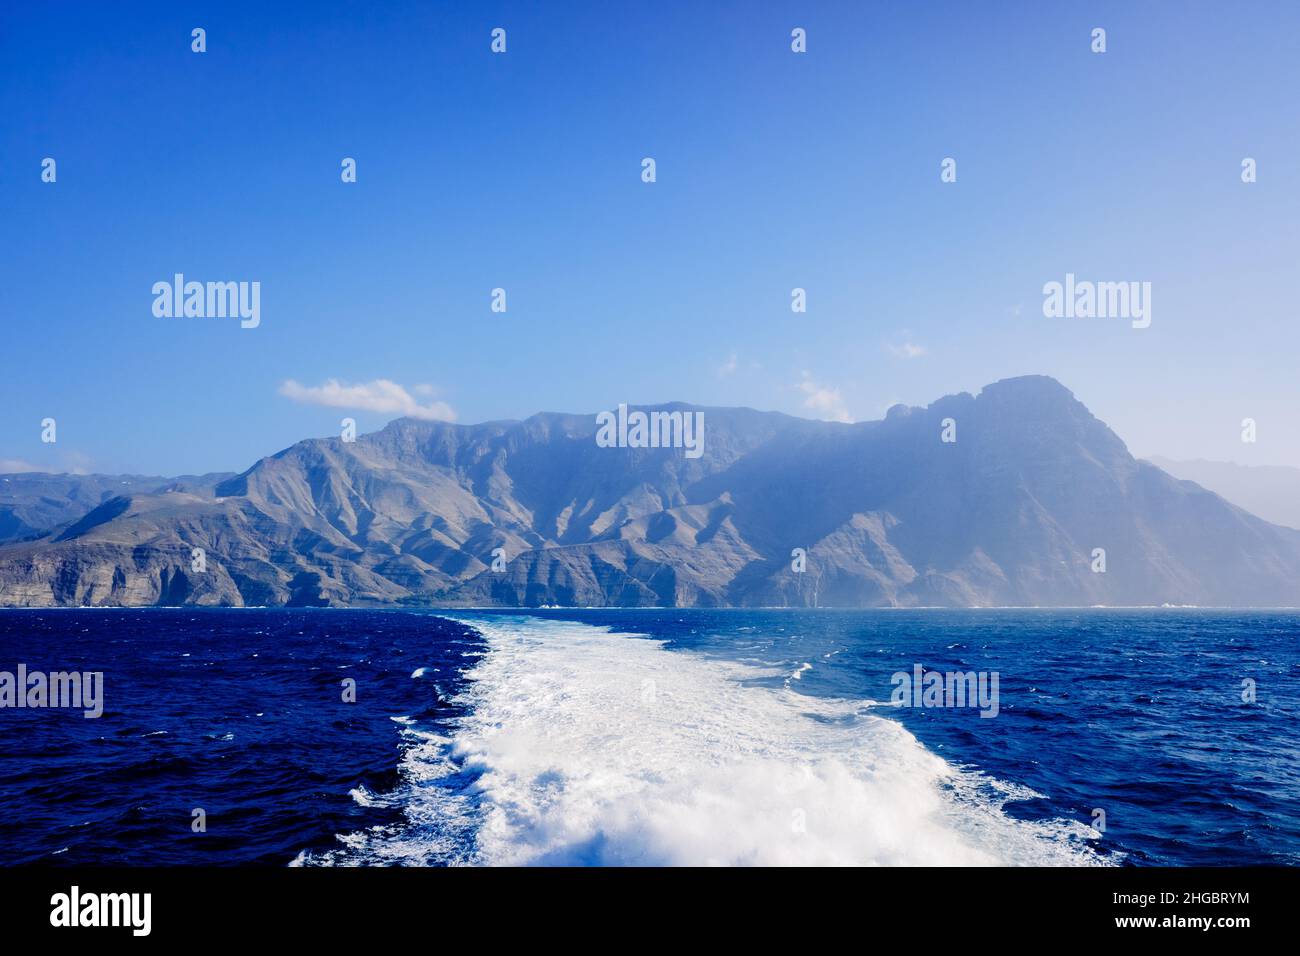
{"x": 629, "y": 737}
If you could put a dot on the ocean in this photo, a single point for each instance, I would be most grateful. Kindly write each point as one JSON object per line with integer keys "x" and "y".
{"x": 656, "y": 737}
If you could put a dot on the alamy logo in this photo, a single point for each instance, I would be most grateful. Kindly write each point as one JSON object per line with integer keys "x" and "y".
{"x": 209, "y": 300}
{"x": 84, "y": 691}
{"x": 637, "y": 429}
{"x": 1098, "y": 300}
{"x": 923, "y": 688}
{"x": 75, "y": 908}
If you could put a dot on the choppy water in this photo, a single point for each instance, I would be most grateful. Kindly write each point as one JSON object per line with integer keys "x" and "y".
{"x": 654, "y": 736}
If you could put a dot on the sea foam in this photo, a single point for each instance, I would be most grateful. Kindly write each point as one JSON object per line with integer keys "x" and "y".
{"x": 585, "y": 747}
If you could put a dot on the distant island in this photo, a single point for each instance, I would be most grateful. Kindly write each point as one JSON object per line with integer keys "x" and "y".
{"x": 1015, "y": 497}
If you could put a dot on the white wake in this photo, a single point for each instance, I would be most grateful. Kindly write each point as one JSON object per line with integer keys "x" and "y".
{"x": 593, "y": 748}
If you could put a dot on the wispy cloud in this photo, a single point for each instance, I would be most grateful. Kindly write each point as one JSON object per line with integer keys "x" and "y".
{"x": 823, "y": 400}
{"x": 381, "y": 395}
{"x": 729, "y": 366}
{"x": 907, "y": 350}
{"x": 70, "y": 463}
{"x": 903, "y": 347}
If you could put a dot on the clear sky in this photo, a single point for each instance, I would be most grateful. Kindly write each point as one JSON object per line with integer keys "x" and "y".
{"x": 522, "y": 171}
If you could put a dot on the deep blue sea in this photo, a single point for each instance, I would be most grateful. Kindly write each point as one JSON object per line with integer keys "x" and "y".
{"x": 654, "y": 737}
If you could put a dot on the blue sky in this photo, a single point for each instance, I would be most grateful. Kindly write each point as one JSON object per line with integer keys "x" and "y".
{"x": 522, "y": 171}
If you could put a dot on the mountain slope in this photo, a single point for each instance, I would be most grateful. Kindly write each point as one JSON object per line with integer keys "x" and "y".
{"x": 886, "y": 512}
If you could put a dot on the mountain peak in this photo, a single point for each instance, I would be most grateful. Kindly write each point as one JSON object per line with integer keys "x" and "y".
{"x": 1030, "y": 387}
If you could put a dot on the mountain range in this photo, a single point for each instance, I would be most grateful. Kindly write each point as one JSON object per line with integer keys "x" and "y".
{"x": 1035, "y": 503}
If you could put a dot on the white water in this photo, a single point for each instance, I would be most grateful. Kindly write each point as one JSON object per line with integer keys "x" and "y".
{"x": 600, "y": 748}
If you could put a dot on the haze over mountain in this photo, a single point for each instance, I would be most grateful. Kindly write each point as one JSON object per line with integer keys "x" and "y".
{"x": 1270, "y": 491}
{"x": 888, "y": 514}
{"x": 31, "y": 503}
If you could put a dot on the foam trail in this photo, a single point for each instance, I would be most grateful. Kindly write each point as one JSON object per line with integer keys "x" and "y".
{"x": 600, "y": 748}
{"x": 584, "y": 747}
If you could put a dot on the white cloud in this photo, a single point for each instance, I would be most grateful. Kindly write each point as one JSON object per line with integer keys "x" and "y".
{"x": 729, "y": 366}
{"x": 381, "y": 395}
{"x": 907, "y": 350}
{"x": 825, "y": 401}
{"x": 13, "y": 466}
{"x": 903, "y": 347}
